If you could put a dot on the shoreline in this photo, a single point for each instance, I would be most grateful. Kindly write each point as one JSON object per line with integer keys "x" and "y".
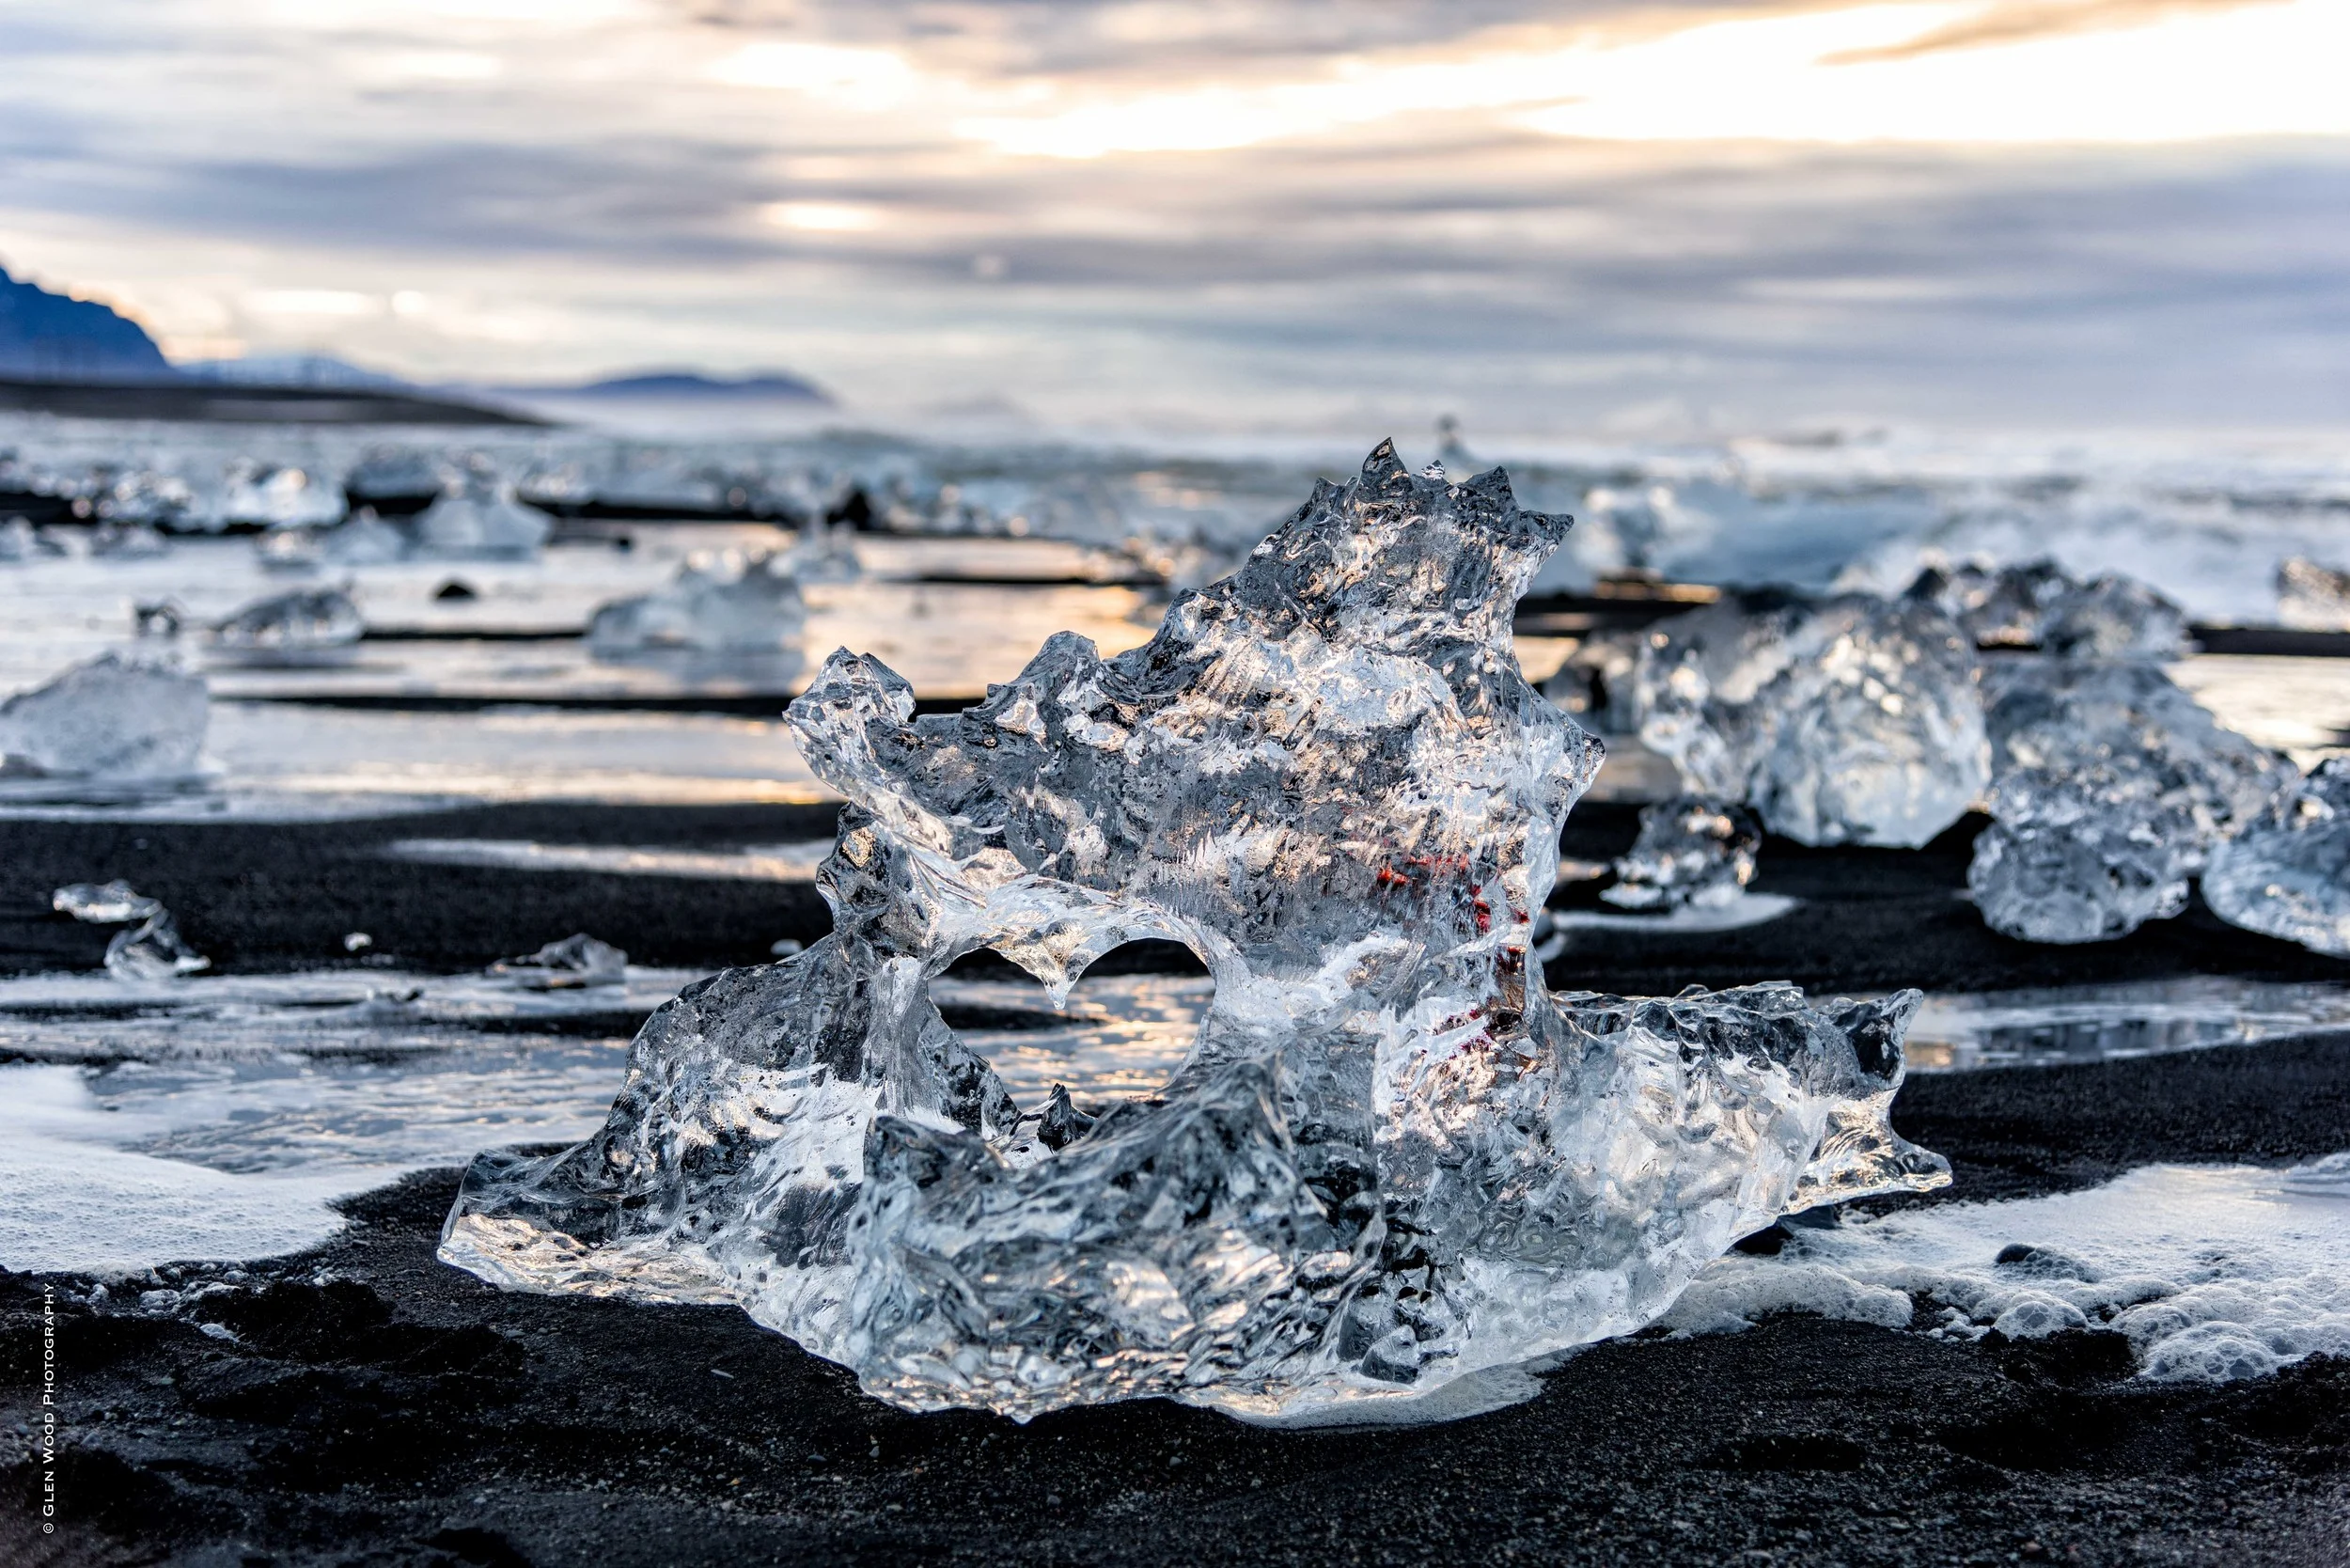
{"x": 374, "y": 1404}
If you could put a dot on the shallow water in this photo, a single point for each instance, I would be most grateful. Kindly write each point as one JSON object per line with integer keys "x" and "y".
{"x": 2057, "y": 1024}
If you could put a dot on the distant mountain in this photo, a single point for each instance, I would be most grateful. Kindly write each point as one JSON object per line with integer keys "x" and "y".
{"x": 46, "y": 336}
{"x": 292, "y": 369}
{"x": 774, "y": 386}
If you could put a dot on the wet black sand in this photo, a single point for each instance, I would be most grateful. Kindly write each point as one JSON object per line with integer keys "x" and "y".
{"x": 268, "y": 896}
{"x": 379, "y": 1408}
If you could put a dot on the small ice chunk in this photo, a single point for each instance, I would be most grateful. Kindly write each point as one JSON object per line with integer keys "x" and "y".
{"x": 1999, "y": 606}
{"x": 826, "y": 553}
{"x": 1846, "y": 721}
{"x": 112, "y": 717}
{"x": 2114, "y": 617}
{"x": 2036, "y": 605}
{"x": 2312, "y": 597}
{"x": 366, "y": 539}
{"x": 1691, "y": 852}
{"x": 482, "y": 518}
{"x": 277, "y": 498}
{"x": 18, "y": 543}
{"x": 153, "y": 950}
{"x": 2288, "y": 873}
{"x": 2078, "y": 857}
{"x": 2114, "y": 787}
{"x": 127, "y": 541}
{"x": 103, "y": 904}
{"x": 573, "y": 963}
{"x": 357, "y": 941}
{"x": 725, "y": 603}
{"x": 309, "y": 618}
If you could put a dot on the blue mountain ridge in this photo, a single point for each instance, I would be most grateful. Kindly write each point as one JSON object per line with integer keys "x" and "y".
{"x": 47, "y": 337}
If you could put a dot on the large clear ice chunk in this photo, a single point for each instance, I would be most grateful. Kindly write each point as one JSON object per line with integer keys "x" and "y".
{"x": 2114, "y": 787}
{"x": 111, "y": 718}
{"x": 1393, "y": 1166}
{"x": 2288, "y": 873}
{"x": 1847, "y": 720}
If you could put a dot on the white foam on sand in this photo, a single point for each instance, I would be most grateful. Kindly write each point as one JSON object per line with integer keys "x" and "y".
{"x": 2215, "y": 1273}
{"x": 77, "y": 1200}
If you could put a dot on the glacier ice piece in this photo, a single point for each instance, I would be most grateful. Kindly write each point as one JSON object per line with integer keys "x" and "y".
{"x": 722, "y": 603}
{"x": 2287, "y": 873}
{"x": 111, "y": 717}
{"x": 2312, "y": 597}
{"x": 153, "y": 950}
{"x": 1999, "y": 606}
{"x": 2037, "y": 604}
{"x": 2113, "y": 788}
{"x": 576, "y": 961}
{"x": 103, "y": 904}
{"x": 150, "y": 949}
{"x": 127, "y": 541}
{"x": 1392, "y": 1164}
{"x": 282, "y": 497}
{"x": 285, "y": 622}
{"x": 2113, "y": 616}
{"x": 1845, "y": 720}
{"x": 1690, "y": 851}
{"x": 826, "y": 553}
{"x": 482, "y": 519}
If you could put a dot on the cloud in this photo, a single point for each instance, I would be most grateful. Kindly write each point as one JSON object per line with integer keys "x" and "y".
{"x": 2007, "y": 22}
{"x": 747, "y": 186}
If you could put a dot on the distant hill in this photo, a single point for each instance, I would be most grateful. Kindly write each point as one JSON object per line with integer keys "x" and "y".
{"x": 774, "y": 386}
{"x": 46, "y": 336}
{"x": 292, "y": 369}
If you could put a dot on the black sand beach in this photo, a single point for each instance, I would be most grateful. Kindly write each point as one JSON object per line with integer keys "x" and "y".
{"x": 375, "y": 1406}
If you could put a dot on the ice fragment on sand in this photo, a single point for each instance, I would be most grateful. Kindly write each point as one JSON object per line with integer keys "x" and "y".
{"x": 2036, "y": 605}
{"x": 482, "y": 519}
{"x": 1999, "y": 606}
{"x": 575, "y": 962}
{"x": 2288, "y": 873}
{"x": 2312, "y": 597}
{"x": 109, "y": 718}
{"x": 719, "y": 603}
{"x": 1847, "y": 720}
{"x": 152, "y": 949}
{"x": 1690, "y": 851}
{"x": 1392, "y": 1161}
{"x": 2113, "y": 788}
{"x": 103, "y": 904}
{"x": 2114, "y": 617}
{"x": 314, "y": 617}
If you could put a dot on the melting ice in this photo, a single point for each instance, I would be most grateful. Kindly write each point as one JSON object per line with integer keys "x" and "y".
{"x": 1392, "y": 1163}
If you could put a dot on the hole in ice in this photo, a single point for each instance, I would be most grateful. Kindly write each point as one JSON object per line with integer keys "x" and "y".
{"x": 1121, "y": 1036}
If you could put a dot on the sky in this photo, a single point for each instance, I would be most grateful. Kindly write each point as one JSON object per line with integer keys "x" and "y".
{"x": 1625, "y": 216}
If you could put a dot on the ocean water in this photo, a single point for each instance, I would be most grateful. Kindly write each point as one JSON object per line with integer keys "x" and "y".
{"x": 221, "y": 1117}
